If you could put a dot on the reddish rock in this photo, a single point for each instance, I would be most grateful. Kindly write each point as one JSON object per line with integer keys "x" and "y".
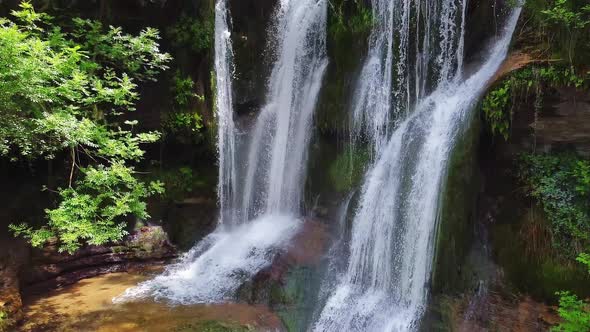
{"x": 306, "y": 249}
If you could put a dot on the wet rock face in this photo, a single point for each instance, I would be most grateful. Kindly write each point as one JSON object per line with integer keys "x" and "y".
{"x": 565, "y": 122}
{"x": 21, "y": 199}
{"x": 51, "y": 269}
{"x": 10, "y": 298}
{"x": 562, "y": 121}
{"x": 484, "y": 20}
{"x": 250, "y": 21}
{"x": 455, "y": 238}
{"x": 190, "y": 220}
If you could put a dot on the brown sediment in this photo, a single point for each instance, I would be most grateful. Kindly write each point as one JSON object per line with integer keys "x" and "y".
{"x": 87, "y": 306}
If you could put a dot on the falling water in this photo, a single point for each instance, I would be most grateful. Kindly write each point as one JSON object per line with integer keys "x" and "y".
{"x": 275, "y": 166}
{"x": 385, "y": 92}
{"x": 372, "y": 99}
{"x": 259, "y": 215}
{"x": 226, "y": 137}
{"x": 385, "y": 284}
{"x": 277, "y": 157}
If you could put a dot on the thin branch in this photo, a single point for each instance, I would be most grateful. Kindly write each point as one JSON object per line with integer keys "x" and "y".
{"x": 73, "y": 166}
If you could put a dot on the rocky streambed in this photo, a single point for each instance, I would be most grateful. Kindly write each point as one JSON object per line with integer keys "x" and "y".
{"x": 87, "y": 306}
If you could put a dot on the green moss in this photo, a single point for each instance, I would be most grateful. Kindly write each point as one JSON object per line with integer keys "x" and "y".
{"x": 350, "y": 24}
{"x": 181, "y": 182}
{"x": 455, "y": 228}
{"x": 277, "y": 295}
{"x": 118, "y": 249}
{"x": 346, "y": 172}
{"x": 298, "y": 296}
{"x": 3, "y": 320}
{"x": 212, "y": 326}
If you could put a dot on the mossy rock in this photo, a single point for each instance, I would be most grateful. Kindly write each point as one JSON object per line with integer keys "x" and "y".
{"x": 347, "y": 170}
{"x": 538, "y": 274}
{"x": 292, "y": 299}
{"x": 212, "y": 326}
{"x": 458, "y": 207}
{"x": 348, "y": 31}
{"x": 298, "y": 295}
{"x": 441, "y": 314}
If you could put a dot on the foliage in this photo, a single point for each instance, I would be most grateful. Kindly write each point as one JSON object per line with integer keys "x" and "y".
{"x": 176, "y": 122}
{"x": 132, "y": 54}
{"x": 179, "y": 182}
{"x": 584, "y": 258}
{"x": 184, "y": 122}
{"x": 563, "y": 25}
{"x": 559, "y": 182}
{"x": 93, "y": 210}
{"x": 497, "y": 106}
{"x": 564, "y": 12}
{"x": 561, "y": 76}
{"x": 183, "y": 90}
{"x": 64, "y": 91}
{"x": 355, "y": 20}
{"x": 575, "y": 314}
{"x": 196, "y": 34}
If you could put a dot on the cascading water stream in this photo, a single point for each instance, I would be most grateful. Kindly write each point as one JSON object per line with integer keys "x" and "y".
{"x": 260, "y": 214}
{"x": 277, "y": 156}
{"x": 226, "y": 136}
{"x": 385, "y": 284}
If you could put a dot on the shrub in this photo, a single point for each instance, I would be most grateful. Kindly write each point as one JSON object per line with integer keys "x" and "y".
{"x": 560, "y": 183}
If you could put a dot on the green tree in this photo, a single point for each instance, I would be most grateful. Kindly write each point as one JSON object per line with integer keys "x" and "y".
{"x": 63, "y": 90}
{"x": 566, "y": 23}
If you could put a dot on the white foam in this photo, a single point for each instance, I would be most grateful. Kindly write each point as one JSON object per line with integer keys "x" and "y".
{"x": 215, "y": 268}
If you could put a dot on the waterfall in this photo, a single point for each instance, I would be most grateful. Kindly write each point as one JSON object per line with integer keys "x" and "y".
{"x": 260, "y": 214}
{"x": 277, "y": 158}
{"x": 226, "y": 136}
{"x": 384, "y": 286}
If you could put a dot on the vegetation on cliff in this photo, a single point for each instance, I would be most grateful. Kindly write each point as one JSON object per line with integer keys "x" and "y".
{"x": 64, "y": 91}
{"x": 560, "y": 182}
{"x": 556, "y": 35}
